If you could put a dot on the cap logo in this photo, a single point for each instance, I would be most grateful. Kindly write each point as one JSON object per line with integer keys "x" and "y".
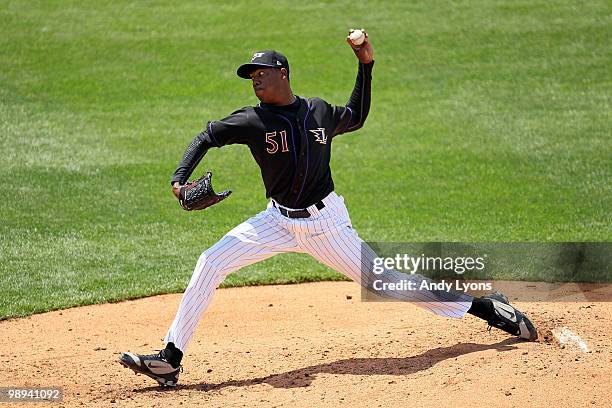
{"x": 257, "y": 55}
{"x": 278, "y": 63}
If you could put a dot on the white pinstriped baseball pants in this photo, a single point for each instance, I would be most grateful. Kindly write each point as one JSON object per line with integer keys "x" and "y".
{"x": 327, "y": 235}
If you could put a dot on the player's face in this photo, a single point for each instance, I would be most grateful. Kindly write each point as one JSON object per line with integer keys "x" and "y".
{"x": 267, "y": 84}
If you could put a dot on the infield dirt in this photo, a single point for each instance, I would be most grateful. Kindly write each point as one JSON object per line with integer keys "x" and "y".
{"x": 313, "y": 345}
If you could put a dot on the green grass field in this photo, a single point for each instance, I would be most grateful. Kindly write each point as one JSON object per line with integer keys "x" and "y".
{"x": 490, "y": 121}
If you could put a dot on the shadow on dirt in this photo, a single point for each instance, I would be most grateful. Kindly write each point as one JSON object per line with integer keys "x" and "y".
{"x": 303, "y": 377}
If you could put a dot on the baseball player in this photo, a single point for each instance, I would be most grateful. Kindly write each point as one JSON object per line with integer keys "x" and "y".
{"x": 290, "y": 138}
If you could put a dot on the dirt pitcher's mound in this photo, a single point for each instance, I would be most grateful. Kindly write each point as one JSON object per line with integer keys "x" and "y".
{"x": 313, "y": 345}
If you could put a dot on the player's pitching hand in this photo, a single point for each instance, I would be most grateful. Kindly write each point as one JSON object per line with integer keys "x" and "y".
{"x": 363, "y": 51}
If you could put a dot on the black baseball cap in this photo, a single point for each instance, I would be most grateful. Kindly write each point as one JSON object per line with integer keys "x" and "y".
{"x": 263, "y": 59}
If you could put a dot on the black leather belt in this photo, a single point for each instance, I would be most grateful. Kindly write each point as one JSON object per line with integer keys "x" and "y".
{"x": 297, "y": 213}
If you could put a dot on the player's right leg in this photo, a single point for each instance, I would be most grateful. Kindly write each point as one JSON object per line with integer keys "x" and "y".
{"x": 259, "y": 238}
{"x": 332, "y": 240}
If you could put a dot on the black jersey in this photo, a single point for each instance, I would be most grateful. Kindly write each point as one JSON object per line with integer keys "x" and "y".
{"x": 291, "y": 144}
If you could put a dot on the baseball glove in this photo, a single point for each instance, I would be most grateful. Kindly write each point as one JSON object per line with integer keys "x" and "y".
{"x": 199, "y": 194}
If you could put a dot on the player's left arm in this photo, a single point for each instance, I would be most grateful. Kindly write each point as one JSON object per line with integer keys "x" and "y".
{"x": 352, "y": 116}
{"x": 230, "y": 130}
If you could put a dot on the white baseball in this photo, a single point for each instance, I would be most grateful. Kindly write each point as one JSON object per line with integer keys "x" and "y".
{"x": 357, "y": 37}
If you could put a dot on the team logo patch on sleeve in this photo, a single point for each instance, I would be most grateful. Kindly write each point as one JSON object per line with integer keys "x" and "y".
{"x": 320, "y": 135}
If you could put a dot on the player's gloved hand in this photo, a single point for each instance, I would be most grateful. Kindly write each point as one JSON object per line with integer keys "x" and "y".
{"x": 199, "y": 194}
{"x": 363, "y": 51}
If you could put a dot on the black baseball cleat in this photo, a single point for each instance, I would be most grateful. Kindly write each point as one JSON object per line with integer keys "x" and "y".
{"x": 510, "y": 319}
{"x": 155, "y": 366}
